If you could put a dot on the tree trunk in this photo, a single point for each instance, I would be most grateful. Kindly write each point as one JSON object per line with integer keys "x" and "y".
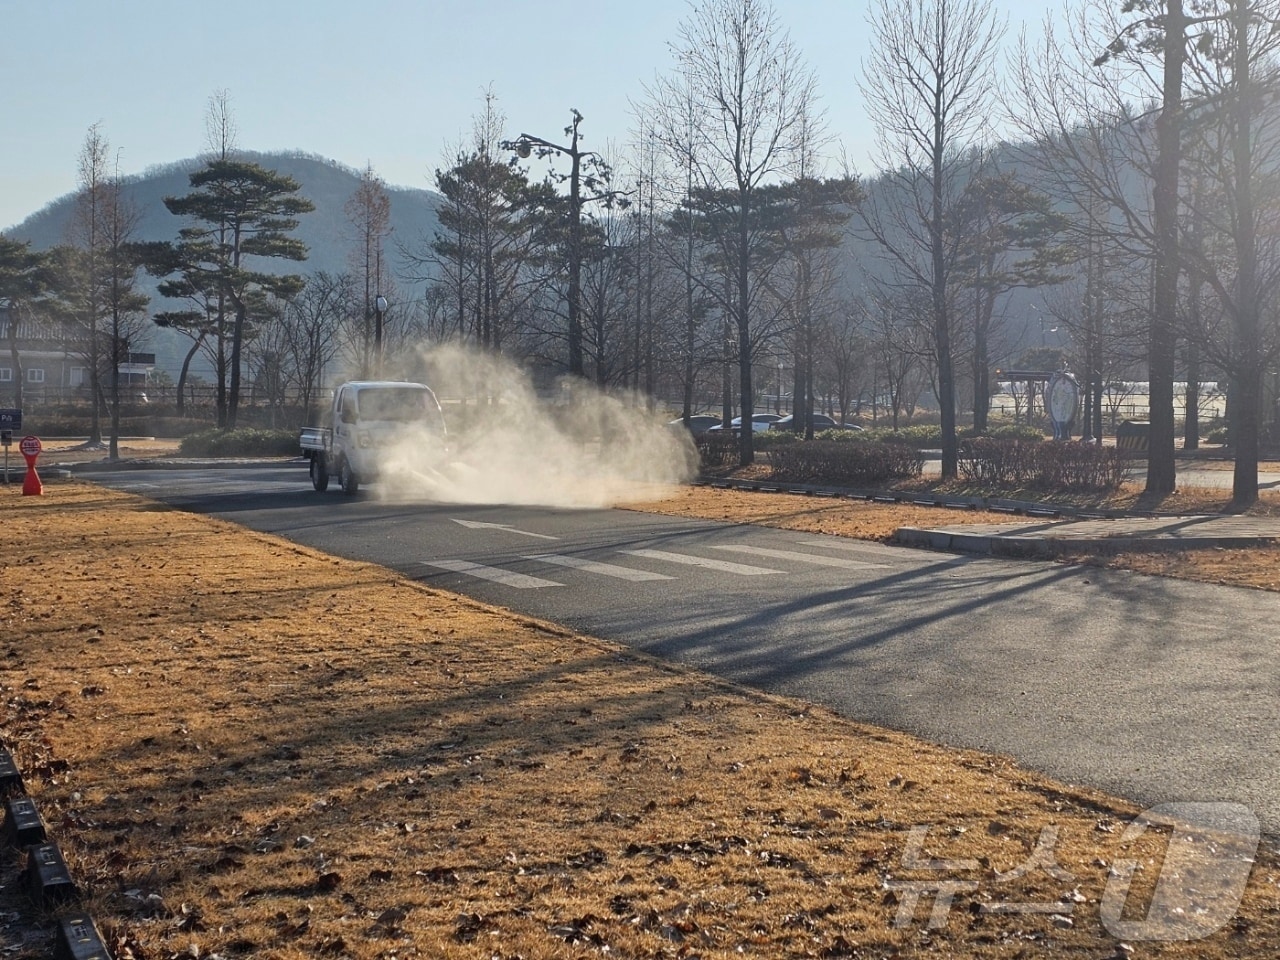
{"x": 981, "y": 378}
{"x": 941, "y": 315}
{"x": 113, "y": 444}
{"x": 182, "y": 376}
{"x": 1248, "y": 347}
{"x": 746, "y": 436}
{"x": 233, "y": 394}
{"x": 1161, "y": 357}
{"x": 1191, "y": 419}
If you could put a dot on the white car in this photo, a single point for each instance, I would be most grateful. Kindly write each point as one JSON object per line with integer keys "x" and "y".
{"x": 759, "y": 422}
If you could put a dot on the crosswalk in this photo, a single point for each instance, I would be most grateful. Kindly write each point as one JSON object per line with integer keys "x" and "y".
{"x": 662, "y": 559}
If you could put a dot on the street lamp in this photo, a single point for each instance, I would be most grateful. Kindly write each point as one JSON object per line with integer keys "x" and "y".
{"x": 524, "y": 146}
{"x": 379, "y": 307}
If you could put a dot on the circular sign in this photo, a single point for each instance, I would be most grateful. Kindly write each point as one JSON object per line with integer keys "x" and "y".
{"x": 1063, "y": 395}
{"x": 30, "y": 446}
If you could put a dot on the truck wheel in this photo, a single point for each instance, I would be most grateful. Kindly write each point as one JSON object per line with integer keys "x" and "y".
{"x": 319, "y": 473}
{"x": 348, "y": 479}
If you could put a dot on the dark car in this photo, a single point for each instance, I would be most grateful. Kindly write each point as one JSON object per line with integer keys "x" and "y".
{"x": 820, "y": 422}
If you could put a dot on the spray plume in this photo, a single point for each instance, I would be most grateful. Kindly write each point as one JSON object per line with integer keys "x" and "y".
{"x": 580, "y": 447}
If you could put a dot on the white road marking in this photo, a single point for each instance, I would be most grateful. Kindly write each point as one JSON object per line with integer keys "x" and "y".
{"x": 478, "y": 525}
{"x": 604, "y": 569}
{"x": 505, "y": 577}
{"x": 813, "y": 558}
{"x": 724, "y": 566}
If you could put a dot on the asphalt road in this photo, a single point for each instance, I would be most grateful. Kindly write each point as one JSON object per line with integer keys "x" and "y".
{"x": 1154, "y": 689}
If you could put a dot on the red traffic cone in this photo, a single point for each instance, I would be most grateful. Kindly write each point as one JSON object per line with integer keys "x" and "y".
{"x": 31, "y": 485}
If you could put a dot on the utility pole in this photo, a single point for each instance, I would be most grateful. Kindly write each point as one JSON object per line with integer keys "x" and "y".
{"x": 524, "y": 146}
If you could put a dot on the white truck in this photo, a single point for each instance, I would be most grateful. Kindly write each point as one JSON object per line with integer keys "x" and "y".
{"x": 374, "y": 425}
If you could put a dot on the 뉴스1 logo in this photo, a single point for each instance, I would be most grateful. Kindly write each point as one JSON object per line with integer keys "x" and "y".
{"x": 1198, "y": 890}
{"x": 1202, "y": 879}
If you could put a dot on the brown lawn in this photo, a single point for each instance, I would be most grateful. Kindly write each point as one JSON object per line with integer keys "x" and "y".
{"x": 1255, "y": 567}
{"x": 249, "y": 749}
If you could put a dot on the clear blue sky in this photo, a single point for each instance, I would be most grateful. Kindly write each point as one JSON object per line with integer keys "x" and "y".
{"x": 391, "y": 82}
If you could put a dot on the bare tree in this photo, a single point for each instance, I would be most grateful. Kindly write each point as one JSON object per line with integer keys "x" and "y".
{"x": 478, "y": 260}
{"x": 1196, "y": 66}
{"x": 368, "y": 212}
{"x": 898, "y": 343}
{"x": 1232, "y": 155}
{"x": 87, "y": 236}
{"x": 124, "y": 306}
{"x": 929, "y": 86}
{"x": 751, "y": 95}
{"x": 845, "y": 350}
{"x": 310, "y": 326}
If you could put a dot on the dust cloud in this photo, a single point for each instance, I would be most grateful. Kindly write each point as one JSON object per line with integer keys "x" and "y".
{"x": 572, "y": 446}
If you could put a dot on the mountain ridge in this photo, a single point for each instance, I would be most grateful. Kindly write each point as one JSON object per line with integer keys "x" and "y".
{"x": 329, "y": 237}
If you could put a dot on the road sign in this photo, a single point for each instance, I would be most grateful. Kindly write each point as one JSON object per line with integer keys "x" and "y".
{"x": 30, "y": 446}
{"x": 10, "y": 419}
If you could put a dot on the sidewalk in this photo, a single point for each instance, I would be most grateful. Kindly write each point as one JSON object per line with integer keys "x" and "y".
{"x": 1047, "y": 538}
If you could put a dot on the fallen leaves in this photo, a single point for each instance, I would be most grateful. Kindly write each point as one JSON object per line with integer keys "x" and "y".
{"x": 380, "y": 763}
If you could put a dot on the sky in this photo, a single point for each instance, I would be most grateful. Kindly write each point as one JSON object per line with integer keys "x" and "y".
{"x": 392, "y": 83}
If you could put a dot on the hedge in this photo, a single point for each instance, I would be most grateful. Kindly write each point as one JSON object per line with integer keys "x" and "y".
{"x": 718, "y": 449}
{"x": 1018, "y": 462}
{"x": 834, "y": 461}
{"x": 246, "y": 442}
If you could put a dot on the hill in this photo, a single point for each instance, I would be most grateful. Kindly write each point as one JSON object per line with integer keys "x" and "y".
{"x": 326, "y": 232}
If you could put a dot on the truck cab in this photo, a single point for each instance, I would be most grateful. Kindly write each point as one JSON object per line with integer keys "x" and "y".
{"x": 373, "y": 425}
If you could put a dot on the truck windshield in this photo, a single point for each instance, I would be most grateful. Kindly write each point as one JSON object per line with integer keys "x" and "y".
{"x": 403, "y": 404}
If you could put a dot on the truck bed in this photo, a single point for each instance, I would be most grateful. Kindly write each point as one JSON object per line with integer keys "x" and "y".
{"x": 315, "y": 439}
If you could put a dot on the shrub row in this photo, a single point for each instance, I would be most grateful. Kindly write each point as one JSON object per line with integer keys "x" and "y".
{"x": 240, "y": 443}
{"x": 57, "y": 425}
{"x": 1014, "y": 462}
{"x": 718, "y": 449}
{"x": 924, "y": 436}
{"x": 839, "y": 462}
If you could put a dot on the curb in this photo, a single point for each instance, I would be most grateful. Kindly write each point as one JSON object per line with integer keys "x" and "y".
{"x": 1045, "y": 548}
{"x": 55, "y": 898}
{"x": 46, "y": 473}
{"x": 172, "y": 463}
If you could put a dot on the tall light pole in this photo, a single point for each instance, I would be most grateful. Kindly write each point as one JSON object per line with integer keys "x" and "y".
{"x": 524, "y": 146}
{"x": 379, "y": 308}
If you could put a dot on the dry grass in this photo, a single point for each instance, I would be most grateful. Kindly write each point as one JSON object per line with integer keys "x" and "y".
{"x": 861, "y": 519}
{"x": 247, "y": 748}
{"x": 73, "y": 451}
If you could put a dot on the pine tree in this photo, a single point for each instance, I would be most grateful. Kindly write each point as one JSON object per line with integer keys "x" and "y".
{"x": 240, "y": 211}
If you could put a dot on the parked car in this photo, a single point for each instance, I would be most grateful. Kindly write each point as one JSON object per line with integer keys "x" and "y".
{"x": 698, "y": 424}
{"x": 820, "y": 422}
{"x": 759, "y": 422}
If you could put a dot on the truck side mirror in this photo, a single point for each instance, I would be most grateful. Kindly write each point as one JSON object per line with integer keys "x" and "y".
{"x": 347, "y": 416}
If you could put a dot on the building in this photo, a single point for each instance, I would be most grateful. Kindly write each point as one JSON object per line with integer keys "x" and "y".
{"x": 50, "y": 361}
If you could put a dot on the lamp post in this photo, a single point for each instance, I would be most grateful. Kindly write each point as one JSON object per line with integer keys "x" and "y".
{"x": 524, "y": 146}
{"x": 379, "y": 307}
